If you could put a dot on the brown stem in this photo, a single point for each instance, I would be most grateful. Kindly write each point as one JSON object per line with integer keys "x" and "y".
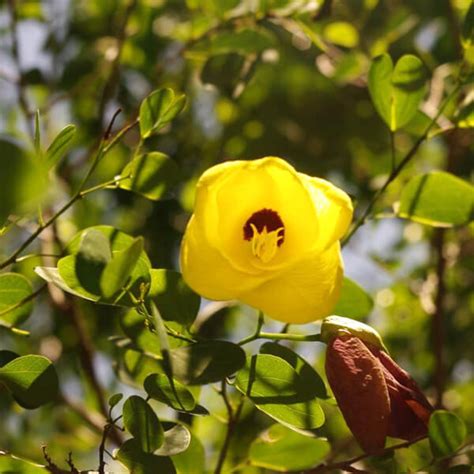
{"x": 232, "y": 420}
{"x": 438, "y": 317}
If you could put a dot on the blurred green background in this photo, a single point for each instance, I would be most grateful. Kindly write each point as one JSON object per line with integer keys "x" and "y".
{"x": 262, "y": 77}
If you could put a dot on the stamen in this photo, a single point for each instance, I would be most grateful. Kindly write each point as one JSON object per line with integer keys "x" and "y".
{"x": 265, "y": 244}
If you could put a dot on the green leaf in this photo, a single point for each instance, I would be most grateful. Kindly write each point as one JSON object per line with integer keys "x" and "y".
{"x": 177, "y": 439}
{"x": 342, "y": 34}
{"x": 23, "y": 180}
{"x": 140, "y": 462}
{"x": 7, "y": 356}
{"x": 354, "y": 302}
{"x": 95, "y": 247}
{"x": 142, "y": 423}
{"x": 175, "y": 300}
{"x": 206, "y": 362}
{"x": 177, "y": 397}
{"x": 14, "y": 288}
{"x": 151, "y": 175}
{"x": 276, "y": 389}
{"x": 380, "y": 85}
{"x": 397, "y": 92}
{"x": 80, "y": 273}
{"x": 60, "y": 146}
{"x": 283, "y": 450}
{"x": 119, "y": 270}
{"x": 158, "y": 109}
{"x": 31, "y": 379}
{"x": 446, "y": 432}
{"x": 312, "y": 379}
{"x": 438, "y": 198}
{"x": 191, "y": 461}
{"x": 115, "y": 399}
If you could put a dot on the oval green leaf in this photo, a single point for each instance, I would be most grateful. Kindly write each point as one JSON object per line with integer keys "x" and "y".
{"x": 397, "y": 92}
{"x": 150, "y": 175}
{"x": 175, "y": 395}
{"x": 175, "y": 300}
{"x": 312, "y": 379}
{"x": 283, "y": 450}
{"x": 158, "y": 109}
{"x": 119, "y": 270}
{"x": 177, "y": 440}
{"x": 31, "y": 379}
{"x": 60, "y": 145}
{"x": 276, "y": 389}
{"x": 191, "y": 461}
{"x": 438, "y": 198}
{"x": 14, "y": 290}
{"x": 446, "y": 432}
{"x": 354, "y": 302}
{"x": 142, "y": 423}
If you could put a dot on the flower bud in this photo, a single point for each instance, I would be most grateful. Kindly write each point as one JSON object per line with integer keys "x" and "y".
{"x": 376, "y": 397}
{"x": 333, "y": 326}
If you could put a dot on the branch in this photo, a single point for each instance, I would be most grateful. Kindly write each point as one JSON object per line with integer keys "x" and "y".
{"x": 398, "y": 169}
{"x": 347, "y": 465}
{"x": 437, "y": 322}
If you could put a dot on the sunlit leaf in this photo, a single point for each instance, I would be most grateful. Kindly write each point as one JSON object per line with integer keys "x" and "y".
{"x": 158, "y": 109}
{"x": 177, "y": 439}
{"x": 277, "y": 390}
{"x": 354, "y": 302}
{"x": 438, "y": 198}
{"x": 446, "y": 433}
{"x": 151, "y": 175}
{"x": 281, "y": 449}
{"x": 342, "y": 34}
{"x": 32, "y": 380}
{"x": 60, "y": 145}
{"x": 312, "y": 379}
{"x": 175, "y": 300}
{"x": 14, "y": 288}
{"x": 397, "y": 92}
{"x": 118, "y": 271}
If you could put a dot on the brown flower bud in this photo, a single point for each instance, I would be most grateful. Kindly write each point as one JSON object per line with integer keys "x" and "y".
{"x": 377, "y": 397}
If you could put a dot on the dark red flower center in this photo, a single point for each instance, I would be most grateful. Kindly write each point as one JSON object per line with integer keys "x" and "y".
{"x": 265, "y": 218}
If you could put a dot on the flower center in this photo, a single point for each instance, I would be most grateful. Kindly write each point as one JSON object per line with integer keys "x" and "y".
{"x": 266, "y": 232}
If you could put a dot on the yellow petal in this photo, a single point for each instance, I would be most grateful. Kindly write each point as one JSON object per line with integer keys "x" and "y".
{"x": 230, "y": 193}
{"x": 334, "y": 210}
{"x": 303, "y": 293}
{"x": 206, "y": 271}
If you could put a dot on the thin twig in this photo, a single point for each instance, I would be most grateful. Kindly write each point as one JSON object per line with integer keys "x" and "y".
{"x": 347, "y": 464}
{"x": 232, "y": 420}
{"x": 397, "y": 170}
{"x": 438, "y": 317}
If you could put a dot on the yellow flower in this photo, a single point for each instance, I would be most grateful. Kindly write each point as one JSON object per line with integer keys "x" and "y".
{"x": 268, "y": 236}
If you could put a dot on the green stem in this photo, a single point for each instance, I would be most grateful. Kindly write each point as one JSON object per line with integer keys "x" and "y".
{"x": 397, "y": 169}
